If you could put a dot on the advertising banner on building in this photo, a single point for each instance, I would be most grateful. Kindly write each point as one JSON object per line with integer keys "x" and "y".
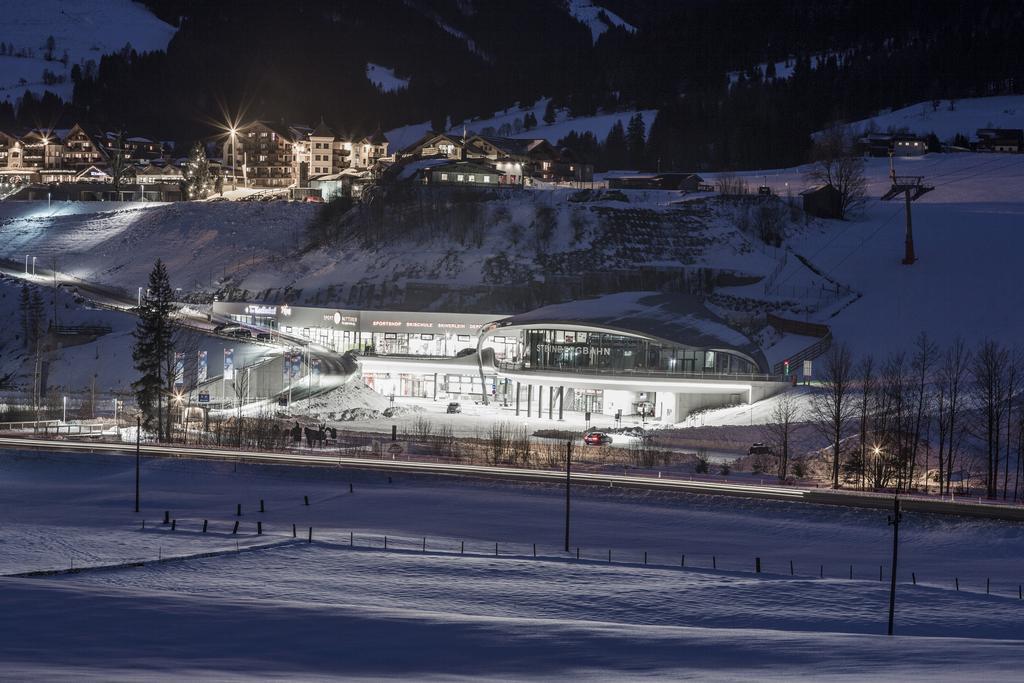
{"x": 179, "y": 370}
{"x": 296, "y": 364}
{"x": 286, "y": 367}
{"x": 315, "y": 369}
{"x": 229, "y": 364}
{"x": 201, "y": 368}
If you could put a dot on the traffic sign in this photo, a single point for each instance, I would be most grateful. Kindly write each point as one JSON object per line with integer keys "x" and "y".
{"x": 204, "y": 396}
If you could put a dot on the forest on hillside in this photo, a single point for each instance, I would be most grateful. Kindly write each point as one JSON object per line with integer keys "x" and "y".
{"x": 737, "y": 84}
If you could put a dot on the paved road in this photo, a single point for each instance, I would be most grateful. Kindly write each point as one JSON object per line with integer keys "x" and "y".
{"x": 786, "y": 493}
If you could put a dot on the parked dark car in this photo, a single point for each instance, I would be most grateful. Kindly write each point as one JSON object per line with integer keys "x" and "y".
{"x": 263, "y": 336}
{"x": 760, "y": 449}
{"x": 240, "y": 333}
{"x": 453, "y": 408}
{"x": 596, "y": 439}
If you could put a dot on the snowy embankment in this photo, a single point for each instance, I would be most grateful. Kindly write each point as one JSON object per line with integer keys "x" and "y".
{"x": 306, "y": 610}
{"x": 203, "y": 244}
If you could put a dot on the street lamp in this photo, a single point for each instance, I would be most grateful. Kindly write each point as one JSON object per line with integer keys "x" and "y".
{"x": 234, "y": 132}
{"x": 65, "y": 409}
{"x": 33, "y": 265}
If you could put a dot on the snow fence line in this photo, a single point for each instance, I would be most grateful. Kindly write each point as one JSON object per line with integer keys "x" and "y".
{"x": 142, "y": 563}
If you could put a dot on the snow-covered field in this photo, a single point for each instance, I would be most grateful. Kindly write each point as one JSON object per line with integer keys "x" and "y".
{"x": 280, "y": 607}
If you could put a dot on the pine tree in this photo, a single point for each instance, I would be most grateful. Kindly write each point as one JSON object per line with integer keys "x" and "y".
{"x": 197, "y": 173}
{"x": 153, "y": 346}
{"x": 615, "y": 150}
{"x": 636, "y": 134}
{"x": 549, "y": 112}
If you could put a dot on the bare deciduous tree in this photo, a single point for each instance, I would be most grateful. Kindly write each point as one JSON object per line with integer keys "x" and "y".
{"x": 833, "y": 408}
{"x": 834, "y": 162}
{"x": 988, "y": 376}
{"x": 780, "y": 429}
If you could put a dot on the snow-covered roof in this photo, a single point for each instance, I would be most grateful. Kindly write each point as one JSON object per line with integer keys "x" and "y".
{"x": 677, "y": 318}
{"x": 413, "y": 167}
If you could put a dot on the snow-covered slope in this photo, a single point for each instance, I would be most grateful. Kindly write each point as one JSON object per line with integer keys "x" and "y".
{"x": 598, "y": 19}
{"x": 116, "y": 243}
{"x": 508, "y": 123}
{"x": 968, "y": 242}
{"x": 950, "y": 117}
{"x": 385, "y": 79}
{"x": 84, "y": 29}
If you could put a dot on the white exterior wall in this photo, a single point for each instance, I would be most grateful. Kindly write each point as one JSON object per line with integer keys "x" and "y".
{"x": 615, "y": 400}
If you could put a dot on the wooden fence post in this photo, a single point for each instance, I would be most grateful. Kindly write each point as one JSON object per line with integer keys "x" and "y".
{"x": 791, "y": 567}
{"x": 757, "y": 565}
{"x": 235, "y": 530}
{"x": 259, "y": 528}
{"x": 261, "y": 506}
{"x": 714, "y": 562}
{"x": 310, "y": 535}
{"x": 294, "y": 531}
{"x": 204, "y": 525}
{"x": 238, "y": 510}
{"x": 305, "y": 499}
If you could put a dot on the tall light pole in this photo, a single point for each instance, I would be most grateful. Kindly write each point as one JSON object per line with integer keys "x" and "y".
{"x": 894, "y": 521}
{"x": 568, "y": 484}
{"x": 65, "y": 409}
{"x": 234, "y": 157}
{"x": 138, "y": 433}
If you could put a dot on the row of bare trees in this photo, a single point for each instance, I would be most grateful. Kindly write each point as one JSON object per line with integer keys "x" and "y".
{"x": 933, "y": 415}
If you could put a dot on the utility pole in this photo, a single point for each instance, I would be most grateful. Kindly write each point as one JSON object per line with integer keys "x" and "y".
{"x": 568, "y": 485}
{"x": 894, "y": 521}
{"x": 138, "y": 435}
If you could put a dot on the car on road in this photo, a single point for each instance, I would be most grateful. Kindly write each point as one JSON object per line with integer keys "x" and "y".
{"x": 453, "y": 408}
{"x": 240, "y": 333}
{"x": 596, "y": 439}
{"x": 760, "y": 449}
{"x": 263, "y": 336}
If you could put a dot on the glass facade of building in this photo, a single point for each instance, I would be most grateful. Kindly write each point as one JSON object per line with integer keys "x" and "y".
{"x": 554, "y": 349}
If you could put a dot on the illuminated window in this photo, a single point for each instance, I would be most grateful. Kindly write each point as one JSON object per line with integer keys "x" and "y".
{"x": 444, "y": 176}
{"x": 472, "y": 178}
{"x": 462, "y": 337}
{"x": 487, "y": 178}
{"x": 460, "y": 177}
